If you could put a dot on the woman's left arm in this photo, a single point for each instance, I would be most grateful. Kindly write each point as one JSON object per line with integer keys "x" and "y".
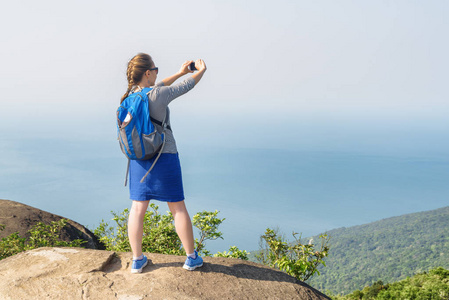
{"x": 182, "y": 71}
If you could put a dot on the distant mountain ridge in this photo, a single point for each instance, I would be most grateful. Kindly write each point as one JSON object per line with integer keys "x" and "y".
{"x": 389, "y": 250}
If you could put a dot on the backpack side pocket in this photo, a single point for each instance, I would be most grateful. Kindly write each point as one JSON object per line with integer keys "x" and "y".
{"x": 152, "y": 143}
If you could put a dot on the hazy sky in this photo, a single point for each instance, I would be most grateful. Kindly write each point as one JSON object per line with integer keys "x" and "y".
{"x": 277, "y": 56}
{"x": 352, "y": 73}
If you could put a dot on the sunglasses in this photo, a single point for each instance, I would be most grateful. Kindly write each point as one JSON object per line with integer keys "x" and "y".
{"x": 155, "y": 69}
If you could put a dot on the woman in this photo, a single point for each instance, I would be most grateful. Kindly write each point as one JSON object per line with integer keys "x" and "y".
{"x": 164, "y": 182}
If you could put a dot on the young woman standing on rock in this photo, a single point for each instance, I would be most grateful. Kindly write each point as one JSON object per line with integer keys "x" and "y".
{"x": 164, "y": 182}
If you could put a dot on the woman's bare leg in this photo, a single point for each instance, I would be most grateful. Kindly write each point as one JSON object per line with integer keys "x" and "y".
{"x": 135, "y": 226}
{"x": 183, "y": 225}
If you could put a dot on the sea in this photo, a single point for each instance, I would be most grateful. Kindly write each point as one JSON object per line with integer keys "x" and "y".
{"x": 256, "y": 180}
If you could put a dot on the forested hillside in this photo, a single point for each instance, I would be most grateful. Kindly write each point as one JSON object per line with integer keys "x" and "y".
{"x": 428, "y": 285}
{"x": 388, "y": 250}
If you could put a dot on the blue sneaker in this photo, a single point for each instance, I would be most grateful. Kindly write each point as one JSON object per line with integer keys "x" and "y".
{"x": 191, "y": 264}
{"x": 138, "y": 265}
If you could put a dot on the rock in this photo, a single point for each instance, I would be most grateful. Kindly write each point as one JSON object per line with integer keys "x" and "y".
{"x": 77, "y": 273}
{"x": 18, "y": 217}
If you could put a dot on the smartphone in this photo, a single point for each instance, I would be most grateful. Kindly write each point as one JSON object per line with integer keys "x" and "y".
{"x": 192, "y": 66}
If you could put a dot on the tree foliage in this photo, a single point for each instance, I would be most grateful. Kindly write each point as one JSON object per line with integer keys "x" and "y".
{"x": 207, "y": 222}
{"x": 388, "y": 250}
{"x": 234, "y": 252}
{"x": 41, "y": 235}
{"x": 159, "y": 232}
{"x": 296, "y": 259}
{"x": 427, "y": 285}
{"x": 159, "y": 235}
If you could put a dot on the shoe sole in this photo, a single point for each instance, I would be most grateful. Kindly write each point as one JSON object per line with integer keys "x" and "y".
{"x": 192, "y": 268}
{"x": 134, "y": 271}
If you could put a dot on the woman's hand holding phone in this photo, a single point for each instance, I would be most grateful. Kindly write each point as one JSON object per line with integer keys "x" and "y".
{"x": 200, "y": 65}
{"x": 185, "y": 67}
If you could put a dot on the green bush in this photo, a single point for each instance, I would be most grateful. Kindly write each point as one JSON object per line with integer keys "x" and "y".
{"x": 41, "y": 235}
{"x": 296, "y": 259}
{"x": 11, "y": 245}
{"x": 234, "y": 252}
{"x": 207, "y": 222}
{"x": 159, "y": 232}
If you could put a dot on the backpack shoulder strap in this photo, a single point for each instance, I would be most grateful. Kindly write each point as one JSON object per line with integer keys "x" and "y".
{"x": 146, "y": 90}
{"x": 160, "y": 123}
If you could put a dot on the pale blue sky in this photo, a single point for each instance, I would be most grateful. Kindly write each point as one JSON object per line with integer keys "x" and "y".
{"x": 318, "y": 57}
{"x": 349, "y": 67}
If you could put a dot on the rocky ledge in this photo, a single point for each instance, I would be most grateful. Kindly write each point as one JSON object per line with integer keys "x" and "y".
{"x": 76, "y": 273}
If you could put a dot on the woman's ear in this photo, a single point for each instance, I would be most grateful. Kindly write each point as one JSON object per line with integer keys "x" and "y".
{"x": 147, "y": 72}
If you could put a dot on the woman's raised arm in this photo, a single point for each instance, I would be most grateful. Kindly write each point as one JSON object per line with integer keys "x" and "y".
{"x": 168, "y": 93}
{"x": 200, "y": 65}
{"x": 182, "y": 71}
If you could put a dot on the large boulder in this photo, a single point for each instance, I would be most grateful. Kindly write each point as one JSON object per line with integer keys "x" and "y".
{"x": 76, "y": 273}
{"x": 18, "y": 217}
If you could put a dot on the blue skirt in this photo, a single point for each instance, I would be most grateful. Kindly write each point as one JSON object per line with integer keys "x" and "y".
{"x": 163, "y": 183}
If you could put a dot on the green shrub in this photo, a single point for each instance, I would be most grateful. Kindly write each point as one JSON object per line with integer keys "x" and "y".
{"x": 234, "y": 252}
{"x": 11, "y": 245}
{"x": 159, "y": 232}
{"x": 207, "y": 222}
{"x": 41, "y": 235}
{"x": 296, "y": 259}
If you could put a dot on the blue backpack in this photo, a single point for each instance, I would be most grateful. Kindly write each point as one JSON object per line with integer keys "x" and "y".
{"x": 137, "y": 135}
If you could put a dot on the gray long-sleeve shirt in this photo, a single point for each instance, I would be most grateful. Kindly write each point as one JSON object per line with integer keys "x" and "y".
{"x": 160, "y": 96}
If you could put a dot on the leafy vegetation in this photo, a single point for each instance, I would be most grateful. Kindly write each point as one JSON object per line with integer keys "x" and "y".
{"x": 296, "y": 259}
{"x": 41, "y": 235}
{"x": 207, "y": 222}
{"x": 388, "y": 250}
{"x": 160, "y": 234}
{"x": 233, "y": 252}
{"x": 428, "y": 285}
